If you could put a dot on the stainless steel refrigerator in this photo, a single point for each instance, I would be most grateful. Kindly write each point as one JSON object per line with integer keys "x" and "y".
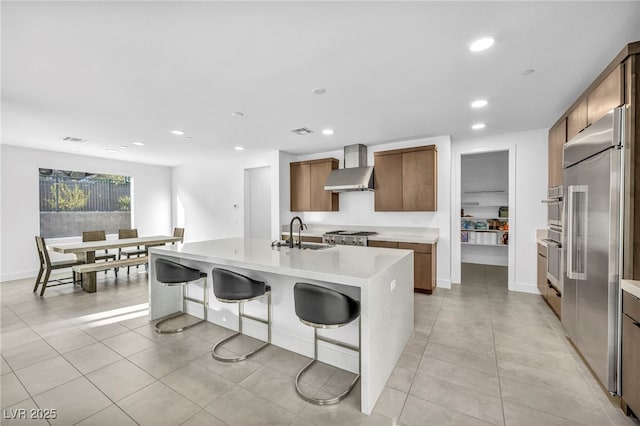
{"x": 592, "y": 171}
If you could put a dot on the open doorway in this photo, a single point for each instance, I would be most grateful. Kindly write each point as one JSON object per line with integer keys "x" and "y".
{"x": 485, "y": 235}
{"x": 257, "y": 194}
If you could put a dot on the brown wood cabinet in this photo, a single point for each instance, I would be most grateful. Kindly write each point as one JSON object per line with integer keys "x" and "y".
{"x": 630, "y": 352}
{"x": 304, "y": 239}
{"x": 542, "y": 269}
{"x": 577, "y": 119}
{"x": 557, "y": 139}
{"x": 424, "y": 263}
{"x": 307, "y": 179}
{"x": 606, "y": 96}
{"x": 406, "y": 179}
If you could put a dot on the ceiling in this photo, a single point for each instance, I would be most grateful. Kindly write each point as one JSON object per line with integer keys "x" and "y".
{"x": 116, "y": 72}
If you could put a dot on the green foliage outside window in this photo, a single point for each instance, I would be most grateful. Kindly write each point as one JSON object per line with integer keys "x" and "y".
{"x": 125, "y": 203}
{"x": 68, "y": 199}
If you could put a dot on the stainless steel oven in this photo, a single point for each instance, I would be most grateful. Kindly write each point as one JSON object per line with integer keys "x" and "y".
{"x": 554, "y": 256}
{"x": 554, "y": 206}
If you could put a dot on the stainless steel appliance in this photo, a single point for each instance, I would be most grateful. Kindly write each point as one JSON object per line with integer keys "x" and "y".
{"x": 554, "y": 206}
{"x": 554, "y": 257}
{"x": 592, "y": 234}
{"x": 349, "y": 238}
{"x": 355, "y": 176}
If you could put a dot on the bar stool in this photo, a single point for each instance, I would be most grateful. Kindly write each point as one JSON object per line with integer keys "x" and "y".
{"x": 321, "y": 307}
{"x": 231, "y": 287}
{"x": 171, "y": 274}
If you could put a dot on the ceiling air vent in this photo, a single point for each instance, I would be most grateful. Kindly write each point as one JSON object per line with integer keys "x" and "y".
{"x": 72, "y": 139}
{"x": 302, "y": 131}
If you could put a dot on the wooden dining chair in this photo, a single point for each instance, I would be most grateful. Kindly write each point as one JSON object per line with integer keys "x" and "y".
{"x": 137, "y": 251}
{"x": 99, "y": 236}
{"x": 46, "y": 266}
{"x": 179, "y": 232}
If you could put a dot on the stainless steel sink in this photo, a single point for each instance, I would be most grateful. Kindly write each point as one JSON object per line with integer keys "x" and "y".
{"x": 314, "y": 246}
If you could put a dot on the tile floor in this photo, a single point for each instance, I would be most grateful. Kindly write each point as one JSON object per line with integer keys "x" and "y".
{"x": 479, "y": 355}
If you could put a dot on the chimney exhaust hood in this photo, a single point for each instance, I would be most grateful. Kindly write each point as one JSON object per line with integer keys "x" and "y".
{"x": 356, "y": 175}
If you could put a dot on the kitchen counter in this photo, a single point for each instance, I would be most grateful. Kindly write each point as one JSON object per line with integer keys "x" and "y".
{"x": 381, "y": 279}
{"x": 541, "y": 234}
{"x": 631, "y": 286}
{"x": 385, "y": 233}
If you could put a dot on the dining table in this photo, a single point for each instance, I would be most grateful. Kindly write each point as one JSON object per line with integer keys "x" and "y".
{"x": 86, "y": 251}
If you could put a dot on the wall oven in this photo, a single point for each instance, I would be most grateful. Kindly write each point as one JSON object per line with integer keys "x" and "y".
{"x": 554, "y": 237}
{"x": 554, "y": 206}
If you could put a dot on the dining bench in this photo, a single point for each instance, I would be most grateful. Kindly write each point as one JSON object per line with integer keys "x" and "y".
{"x": 103, "y": 266}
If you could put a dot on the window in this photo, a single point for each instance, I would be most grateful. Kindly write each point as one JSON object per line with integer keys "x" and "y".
{"x": 72, "y": 202}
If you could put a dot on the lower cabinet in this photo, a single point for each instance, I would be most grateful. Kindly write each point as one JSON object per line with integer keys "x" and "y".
{"x": 424, "y": 263}
{"x": 549, "y": 292}
{"x": 630, "y": 352}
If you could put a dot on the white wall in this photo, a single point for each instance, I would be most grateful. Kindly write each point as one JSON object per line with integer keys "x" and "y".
{"x": 357, "y": 208}
{"x": 208, "y": 196}
{"x": 528, "y": 178}
{"x": 20, "y": 220}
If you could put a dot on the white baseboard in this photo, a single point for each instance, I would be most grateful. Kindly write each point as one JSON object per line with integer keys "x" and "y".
{"x": 525, "y": 288}
{"x": 18, "y": 275}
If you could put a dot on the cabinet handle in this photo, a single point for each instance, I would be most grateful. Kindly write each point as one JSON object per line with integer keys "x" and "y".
{"x": 636, "y": 323}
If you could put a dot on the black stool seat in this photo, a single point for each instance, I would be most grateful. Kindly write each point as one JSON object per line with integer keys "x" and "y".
{"x": 232, "y": 287}
{"x": 324, "y": 306}
{"x": 229, "y": 285}
{"x": 321, "y": 307}
{"x": 168, "y": 272}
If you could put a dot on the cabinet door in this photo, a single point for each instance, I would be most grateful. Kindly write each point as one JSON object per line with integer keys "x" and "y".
{"x": 557, "y": 139}
{"x": 387, "y": 173}
{"x": 608, "y": 95}
{"x": 422, "y": 272}
{"x": 419, "y": 181}
{"x": 311, "y": 239}
{"x": 554, "y": 299}
{"x": 382, "y": 244}
{"x": 321, "y": 200}
{"x": 542, "y": 275}
{"x": 577, "y": 120}
{"x": 300, "y": 183}
{"x": 630, "y": 362}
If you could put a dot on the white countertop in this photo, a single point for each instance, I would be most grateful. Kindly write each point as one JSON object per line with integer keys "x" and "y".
{"x": 541, "y": 234}
{"x": 385, "y": 233}
{"x": 631, "y": 286}
{"x": 339, "y": 264}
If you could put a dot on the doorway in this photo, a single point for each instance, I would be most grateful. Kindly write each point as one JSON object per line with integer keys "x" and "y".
{"x": 257, "y": 194}
{"x": 484, "y": 184}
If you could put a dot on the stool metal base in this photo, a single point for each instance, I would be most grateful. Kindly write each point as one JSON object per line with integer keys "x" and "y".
{"x": 174, "y": 330}
{"x": 318, "y": 401}
{"x": 235, "y": 359}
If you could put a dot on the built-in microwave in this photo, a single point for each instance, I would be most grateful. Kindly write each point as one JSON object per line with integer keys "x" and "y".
{"x": 554, "y": 206}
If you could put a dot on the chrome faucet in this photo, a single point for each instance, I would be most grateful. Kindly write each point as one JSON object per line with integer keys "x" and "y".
{"x": 300, "y": 228}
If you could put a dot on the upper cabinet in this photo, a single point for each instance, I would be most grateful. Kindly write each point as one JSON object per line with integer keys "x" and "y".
{"x": 557, "y": 139}
{"x": 307, "y": 186}
{"x": 577, "y": 119}
{"x": 406, "y": 179}
{"x": 606, "y": 96}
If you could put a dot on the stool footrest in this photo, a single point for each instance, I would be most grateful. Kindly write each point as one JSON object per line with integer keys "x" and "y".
{"x": 174, "y": 330}
{"x": 235, "y": 359}
{"x": 318, "y": 401}
{"x": 337, "y": 343}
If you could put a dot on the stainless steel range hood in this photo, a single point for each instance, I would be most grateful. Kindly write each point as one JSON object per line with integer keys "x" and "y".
{"x": 355, "y": 176}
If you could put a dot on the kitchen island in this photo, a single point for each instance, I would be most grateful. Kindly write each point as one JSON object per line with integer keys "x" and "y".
{"x": 381, "y": 279}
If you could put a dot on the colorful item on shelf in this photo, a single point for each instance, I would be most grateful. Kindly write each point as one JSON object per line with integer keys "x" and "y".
{"x": 481, "y": 224}
{"x": 503, "y": 211}
{"x": 464, "y": 236}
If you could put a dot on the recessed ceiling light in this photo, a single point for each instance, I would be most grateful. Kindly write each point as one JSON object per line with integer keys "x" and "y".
{"x": 481, "y": 44}
{"x": 327, "y": 132}
{"x": 178, "y": 132}
{"x": 239, "y": 148}
{"x": 111, "y": 150}
{"x": 123, "y": 147}
{"x": 138, "y": 143}
{"x": 238, "y": 114}
{"x": 319, "y": 91}
{"x": 479, "y": 103}
{"x": 478, "y": 126}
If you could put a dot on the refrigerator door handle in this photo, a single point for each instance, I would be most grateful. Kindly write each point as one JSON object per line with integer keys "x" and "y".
{"x": 577, "y": 207}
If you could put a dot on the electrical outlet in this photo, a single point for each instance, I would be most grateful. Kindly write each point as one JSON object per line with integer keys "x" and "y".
{"x": 392, "y": 285}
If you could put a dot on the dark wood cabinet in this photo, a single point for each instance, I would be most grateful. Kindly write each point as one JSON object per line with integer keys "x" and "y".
{"x": 307, "y": 179}
{"x": 606, "y": 96}
{"x": 424, "y": 263}
{"x": 577, "y": 119}
{"x": 542, "y": 269}
{"x": 305, "y": 239}
{"x": 557, "y": 139}
{"x": 406, "y": 179}
{"x": 631, "y": 352}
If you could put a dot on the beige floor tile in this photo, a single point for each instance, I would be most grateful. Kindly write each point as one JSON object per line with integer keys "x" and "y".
{"x": 401, "y": 379}
{"x": 65, "y": 399}
{"x": 235, "y": 371}
{"x": 197, "y": 383}
{"x": 481, "y": 362}
{"x": 21, "y": 414}
{"x": 30, "y": 353}
{"x": 4, "y": 367}
{"x": 158, "y": 404}
{"x": 110, "y": 416}
{"x": 390, "y": 403}
{"x": 418, "y": 412}
{"x": 470, "y": 402}
{"x": 458, "y": 342}
{"x": 463, "y": 376}
{"x": 120, "y": 379}
{"x": 158, "y": 361}
{"x": 17, "y": 337}
{"x": 129, "y": 343}
{"x": 521, "y": 415}
{"x": 203, "y": 418}
{"x": 12, "y": 391}
{"x": 103, "y": 331}
{"x": 240, "y": 406}
{"x": 92, "y": 357}
{"x": 70, "y": 340}
{"x": 46, "y": 375}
